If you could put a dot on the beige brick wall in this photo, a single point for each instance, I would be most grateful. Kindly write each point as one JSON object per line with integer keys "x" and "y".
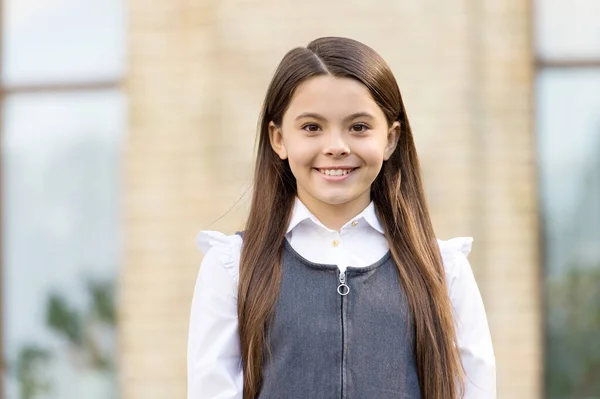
{"x": 173, "y": 110}
{"x": 510, "y": 277}
{"x": 198, "y": 73}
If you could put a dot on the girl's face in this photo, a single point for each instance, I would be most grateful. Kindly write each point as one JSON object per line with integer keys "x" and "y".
{"x": 335, "y": 138}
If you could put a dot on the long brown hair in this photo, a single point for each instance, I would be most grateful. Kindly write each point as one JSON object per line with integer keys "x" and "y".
{"x": 400, "y": 204}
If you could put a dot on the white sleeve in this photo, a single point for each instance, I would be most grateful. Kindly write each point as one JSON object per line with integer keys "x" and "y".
{"x": 213, "y": 356}
{"x": 473, "y": 334}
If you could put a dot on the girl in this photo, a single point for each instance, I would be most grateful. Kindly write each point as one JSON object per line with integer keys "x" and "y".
{"x": 337, "y": 288}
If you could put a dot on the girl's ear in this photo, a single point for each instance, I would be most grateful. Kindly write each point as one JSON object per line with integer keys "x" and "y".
{"x": 392, "y": 140}
{"x": 276, "y": 139}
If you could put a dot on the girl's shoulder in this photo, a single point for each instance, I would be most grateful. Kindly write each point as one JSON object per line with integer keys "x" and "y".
{"x": 221, "y": 249}
{"x": 454, "y": 254}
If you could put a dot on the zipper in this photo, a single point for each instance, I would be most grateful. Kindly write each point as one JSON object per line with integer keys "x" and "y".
{"x": 343, "y": 290}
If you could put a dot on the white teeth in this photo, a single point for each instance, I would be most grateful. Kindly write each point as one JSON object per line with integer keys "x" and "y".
{"x": 335, "y": 172}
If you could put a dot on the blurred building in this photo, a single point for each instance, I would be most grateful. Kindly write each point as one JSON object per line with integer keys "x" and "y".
{"x": 128, "y": 127}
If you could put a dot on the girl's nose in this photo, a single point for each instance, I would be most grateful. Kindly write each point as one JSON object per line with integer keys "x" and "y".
{"x": 336, "y": 146}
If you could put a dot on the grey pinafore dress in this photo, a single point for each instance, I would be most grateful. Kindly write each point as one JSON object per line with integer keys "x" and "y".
{"x": 325, "y": 345}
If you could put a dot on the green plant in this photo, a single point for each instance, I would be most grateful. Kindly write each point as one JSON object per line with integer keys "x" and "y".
{"x": 573, "y": 340}
{"x": 29, "y": 368}
{"x": 79, "y": 327}
{"x": 103, "y": 301}
{"x": 64, "y": 319}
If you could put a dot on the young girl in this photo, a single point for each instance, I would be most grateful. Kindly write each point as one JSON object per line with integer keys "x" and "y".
{"x": 337, "y": 288}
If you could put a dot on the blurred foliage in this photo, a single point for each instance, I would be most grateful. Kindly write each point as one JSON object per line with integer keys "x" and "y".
{"x": 573, "y": 335}
{"x": 31, "y": 362}
{"x": 103, "y": 301}
{"x": 77, "y": 326}
{"x": 64, "y": 319}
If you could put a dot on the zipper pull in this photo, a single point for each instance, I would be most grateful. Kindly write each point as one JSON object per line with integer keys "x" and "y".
{"x": 343, "y": 289}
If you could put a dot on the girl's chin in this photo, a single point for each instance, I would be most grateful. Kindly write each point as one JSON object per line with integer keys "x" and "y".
{"x": 337, "y": 197}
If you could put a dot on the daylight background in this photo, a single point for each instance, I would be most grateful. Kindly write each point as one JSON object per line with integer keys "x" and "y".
{"x": 128, "y": 126}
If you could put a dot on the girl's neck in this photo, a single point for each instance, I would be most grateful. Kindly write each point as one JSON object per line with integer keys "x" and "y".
{"x": 334, "y": 216}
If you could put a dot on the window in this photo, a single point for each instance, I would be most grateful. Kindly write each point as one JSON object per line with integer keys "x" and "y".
{"x": 63, "y": 41}
{"x": 63, "y": 114}
{"x": 568, "y": 124}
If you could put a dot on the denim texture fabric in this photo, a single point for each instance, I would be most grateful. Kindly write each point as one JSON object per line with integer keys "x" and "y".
{"x": 323, "y": 345}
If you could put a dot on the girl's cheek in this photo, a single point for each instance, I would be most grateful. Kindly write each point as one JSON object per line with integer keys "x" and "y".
{"x": 371, "y": 148}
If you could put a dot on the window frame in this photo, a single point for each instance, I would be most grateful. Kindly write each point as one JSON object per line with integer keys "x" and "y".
{"x": 541, "y": 64}
{"x": 38, "y": 88}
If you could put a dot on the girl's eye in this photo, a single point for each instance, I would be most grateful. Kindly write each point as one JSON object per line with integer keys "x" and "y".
{"x": 359, "y": 128}
{"x": 311, "y": 127}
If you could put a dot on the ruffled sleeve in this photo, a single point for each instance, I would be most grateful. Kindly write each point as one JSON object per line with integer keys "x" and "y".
{"x": 452, "y": 251}
{"x": 470, "y": 320}
{"x": 224, "y": 248}
{"x": 213, "y": 356}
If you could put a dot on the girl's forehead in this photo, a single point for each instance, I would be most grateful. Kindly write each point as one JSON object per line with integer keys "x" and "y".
{"x": 332, "y": 97}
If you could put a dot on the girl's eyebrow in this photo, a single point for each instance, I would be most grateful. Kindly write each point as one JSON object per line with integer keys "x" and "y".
{"x": 310, "y": 115}
{"x": 346, "y": 119}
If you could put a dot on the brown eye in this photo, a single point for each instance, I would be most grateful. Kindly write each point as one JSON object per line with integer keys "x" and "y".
{"x": 359, "y": 128}
{"x": 311, "y": 127}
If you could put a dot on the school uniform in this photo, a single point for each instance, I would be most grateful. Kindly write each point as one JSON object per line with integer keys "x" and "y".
{"x": 341, "y": 326}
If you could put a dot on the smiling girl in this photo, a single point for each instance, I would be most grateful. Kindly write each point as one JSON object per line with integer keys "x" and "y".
{"x": 337, "y": 287}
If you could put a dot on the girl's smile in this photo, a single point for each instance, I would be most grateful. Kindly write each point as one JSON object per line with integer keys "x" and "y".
{"x": 335, "y": 173}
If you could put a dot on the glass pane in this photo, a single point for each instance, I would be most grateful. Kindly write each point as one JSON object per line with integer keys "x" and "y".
{"x": 61, "y": 242}
{"x": 569, "y": 152}
{"x": 567, "y": 29}
{"x": 66, "y": 40}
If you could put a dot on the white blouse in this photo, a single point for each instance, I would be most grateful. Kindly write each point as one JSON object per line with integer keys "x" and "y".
{"x": 214, "y": 359}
